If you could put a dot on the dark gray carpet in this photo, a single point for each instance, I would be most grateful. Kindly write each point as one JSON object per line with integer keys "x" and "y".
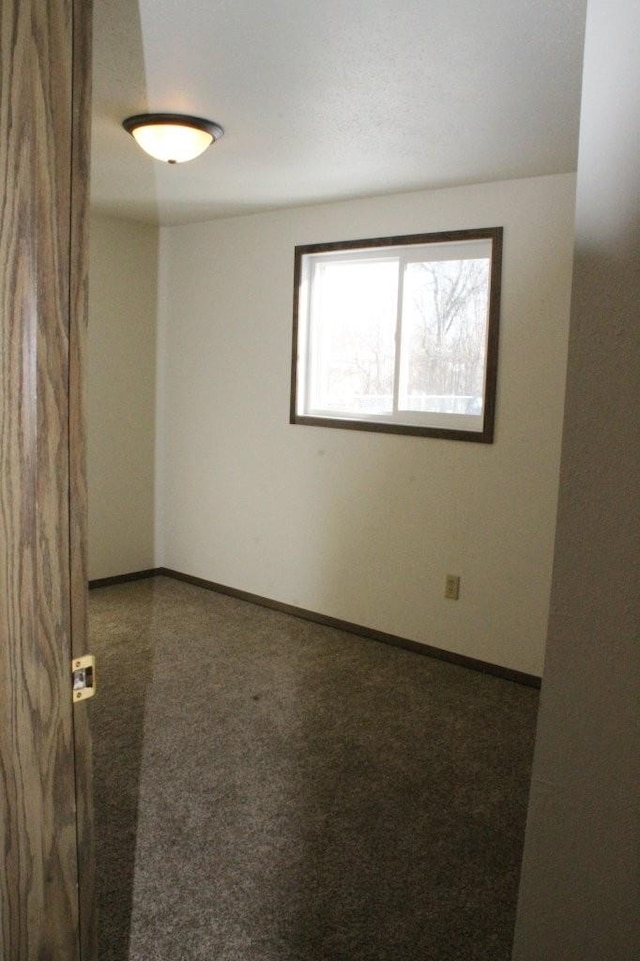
{"x": 268, "y": 789}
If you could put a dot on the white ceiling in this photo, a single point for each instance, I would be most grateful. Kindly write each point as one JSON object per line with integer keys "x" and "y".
{"x": 330, "y": 99}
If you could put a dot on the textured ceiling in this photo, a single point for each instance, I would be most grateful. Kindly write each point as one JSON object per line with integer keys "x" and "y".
{"x": 332, "y": 100}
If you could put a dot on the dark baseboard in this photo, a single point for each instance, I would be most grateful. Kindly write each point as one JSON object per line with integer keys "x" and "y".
{"x": 124, "y": 578}
{"x": 530, "y": 680}
{"x": 485, "y": 667}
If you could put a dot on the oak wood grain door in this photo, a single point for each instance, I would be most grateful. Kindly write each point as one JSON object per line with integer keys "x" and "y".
{"x": 46, "y": 888}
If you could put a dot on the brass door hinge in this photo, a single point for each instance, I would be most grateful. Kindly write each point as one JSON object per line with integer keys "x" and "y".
{"x": 83, "y": 672}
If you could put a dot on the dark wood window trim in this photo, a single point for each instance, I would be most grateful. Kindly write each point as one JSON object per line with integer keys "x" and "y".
{"x": 486, "y": 434}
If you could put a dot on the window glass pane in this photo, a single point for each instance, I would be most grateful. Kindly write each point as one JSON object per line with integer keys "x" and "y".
{"x": 444, "y": 330}
{"x": 353, "y": 311}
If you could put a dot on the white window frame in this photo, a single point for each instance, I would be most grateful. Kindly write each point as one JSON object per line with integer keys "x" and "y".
{"x": 478, "y": 427}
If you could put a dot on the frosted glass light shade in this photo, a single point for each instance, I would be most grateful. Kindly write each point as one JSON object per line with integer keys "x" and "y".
{"x": 172, "y": 137}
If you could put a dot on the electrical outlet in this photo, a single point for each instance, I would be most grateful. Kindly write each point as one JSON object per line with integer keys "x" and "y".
{"x": 452, "y": 587}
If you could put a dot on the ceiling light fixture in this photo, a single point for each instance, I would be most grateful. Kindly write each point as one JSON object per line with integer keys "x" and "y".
{"x": 172, "y": 137}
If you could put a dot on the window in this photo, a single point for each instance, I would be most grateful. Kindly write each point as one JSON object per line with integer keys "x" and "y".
{"x": 398, "y": 334}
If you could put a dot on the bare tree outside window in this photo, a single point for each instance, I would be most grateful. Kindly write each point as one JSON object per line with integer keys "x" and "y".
{"x": 399, "y": 334}
{"x": 445, "y": 316}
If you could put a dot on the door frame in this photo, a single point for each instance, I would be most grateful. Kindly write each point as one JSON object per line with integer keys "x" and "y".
{"x": 46, "y": 875}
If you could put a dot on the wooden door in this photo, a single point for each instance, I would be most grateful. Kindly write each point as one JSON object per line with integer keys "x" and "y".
{"x": 46, "y": 897}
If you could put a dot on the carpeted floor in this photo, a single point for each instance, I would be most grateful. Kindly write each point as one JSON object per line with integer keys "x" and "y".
{"x": 268, "y": 789}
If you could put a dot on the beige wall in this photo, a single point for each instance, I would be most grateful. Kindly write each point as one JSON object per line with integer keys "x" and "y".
{"x": 580, "y": 892}
{"x": 121, "y": 396}
{"x": 355, "y": 525}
